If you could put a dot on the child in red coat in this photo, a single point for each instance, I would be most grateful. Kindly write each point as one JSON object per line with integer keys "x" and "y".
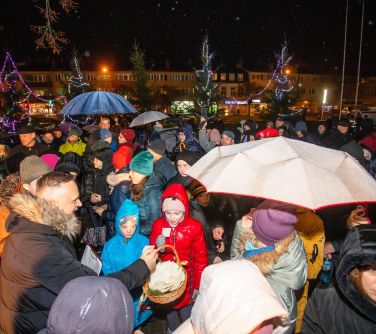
{"x": 177, "y": 228}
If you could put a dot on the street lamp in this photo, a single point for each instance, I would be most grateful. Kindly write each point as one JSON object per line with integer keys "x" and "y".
{"x": 104, "y": 69}
{"x": 325, "y": 94}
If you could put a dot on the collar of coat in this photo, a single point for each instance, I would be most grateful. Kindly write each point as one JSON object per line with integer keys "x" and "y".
{"x": 39, "y": 211}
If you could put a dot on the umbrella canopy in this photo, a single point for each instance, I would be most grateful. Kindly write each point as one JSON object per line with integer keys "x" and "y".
{"x": 97, "y": 103}
{"x": 148, "y": 117}
{"x": 67, "y": 126}
{"x": 286, "y": 170}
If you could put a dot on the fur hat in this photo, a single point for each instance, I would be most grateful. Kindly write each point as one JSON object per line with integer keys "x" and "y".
{"x": 273, "y": 221}
{"x": 32, "y": 168}
{"x": 196, "y": 189}
{"x": 172, "y": 204}
{"x": 143, "y": 163}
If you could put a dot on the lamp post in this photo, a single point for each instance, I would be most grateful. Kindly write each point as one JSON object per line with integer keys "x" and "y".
{"x": 325, "y": 95}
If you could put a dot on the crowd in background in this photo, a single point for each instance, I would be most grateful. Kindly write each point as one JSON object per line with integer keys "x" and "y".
{"x": 119, "y": 190}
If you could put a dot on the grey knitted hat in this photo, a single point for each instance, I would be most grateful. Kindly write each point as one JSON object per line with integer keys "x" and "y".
{"x": 32, "y": 168}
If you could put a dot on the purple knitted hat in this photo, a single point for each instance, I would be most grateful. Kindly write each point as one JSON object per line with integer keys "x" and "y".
{"x": 273, "y": 221}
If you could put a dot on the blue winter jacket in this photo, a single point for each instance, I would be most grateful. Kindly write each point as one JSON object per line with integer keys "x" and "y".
{"x": 119, "y": 253}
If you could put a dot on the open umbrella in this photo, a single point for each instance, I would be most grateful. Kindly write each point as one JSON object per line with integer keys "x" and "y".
{"x": 148, "y": 117}
{"x": 286, "y": 170}
{"x": 98, "y": 103}
{"x": 67, "y": 126}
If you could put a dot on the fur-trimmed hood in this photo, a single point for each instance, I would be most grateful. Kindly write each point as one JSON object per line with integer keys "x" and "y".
{"x": 358, "y": 249}
{"x": 39, "y": 211}
{"x": 10, "y": 185}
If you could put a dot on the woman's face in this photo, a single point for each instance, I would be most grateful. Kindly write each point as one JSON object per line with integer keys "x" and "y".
{"x": 135, "y": 177}
{"x": 321, "y": 129}
{"x": 181, "y": 137}
{"x": 369, "y": 282}
{"x": 128, "y": 227}
{"x": 182, "y": 167}
{"x": 98, "y": 164}
{"x": 121, "y": 139}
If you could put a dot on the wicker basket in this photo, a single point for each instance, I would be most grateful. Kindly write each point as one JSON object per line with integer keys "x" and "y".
{"x": 170, "y": 296}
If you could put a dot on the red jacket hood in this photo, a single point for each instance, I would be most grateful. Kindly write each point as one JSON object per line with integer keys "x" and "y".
{"x": 178, "y": 191}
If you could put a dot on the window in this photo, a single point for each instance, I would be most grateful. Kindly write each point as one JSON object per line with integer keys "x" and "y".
{"x": 60, "y": 77}
{"x": 261, "y": 77}
{"x": 223, "y": 92}
{"x": 231, "y": 77}
{"x": 240, "y": 76}
{"x": 240, "y": 91}
{"x": 232, "y": 91}
{"x": 91, "y": 77}
{"x": 215, "y": 76}
{"x": 223, "y": 76}
{"x": 39, "y": 78}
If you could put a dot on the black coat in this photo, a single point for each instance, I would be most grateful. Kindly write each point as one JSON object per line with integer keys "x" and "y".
{"x": 37, "y": 149}
{"x": 336, "y": 139}
{"x": 340, "y": 307}
{"x": 38, "y": 260}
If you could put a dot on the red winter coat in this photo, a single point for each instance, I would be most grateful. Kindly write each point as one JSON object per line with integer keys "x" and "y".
{"x": 189, "y": 241}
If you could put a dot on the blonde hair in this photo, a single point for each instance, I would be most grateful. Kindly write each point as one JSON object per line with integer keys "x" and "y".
{"x": 265, "y": 261}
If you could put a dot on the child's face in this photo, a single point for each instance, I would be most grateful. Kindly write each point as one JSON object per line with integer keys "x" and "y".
{"x": 174, "y": 217}
{"x": 203, "y": 199}
{"x": 128, "y": 228}
{"x": 182, "y": 167}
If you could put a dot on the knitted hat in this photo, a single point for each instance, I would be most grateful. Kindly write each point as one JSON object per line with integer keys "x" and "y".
{"x": 172, "y": 204}
{"x": 215, "y": 136}
{"x": 229, "y": 134}
{"x": 24, "y": 129}
{"x": 142, "y": 163}
{"x": 196, "y": 189}
{"x": 158, "y": 146}
{"x": 273, "y": 221}
{"x": 128, "y": 134}
{"x": 73, "y": 132}
{"x": 344, "y": 122}
{"x": 32, "y": 168}
{"x": 104, "y": 133}
{"x": 122, "y": 157}
{"x": 50, "y": 159}
{"x": 69, "y": 162}
{"x": 189, "y": 157}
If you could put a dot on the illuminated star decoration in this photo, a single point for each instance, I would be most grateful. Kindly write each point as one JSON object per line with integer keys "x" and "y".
{"x": 204, "y": 87}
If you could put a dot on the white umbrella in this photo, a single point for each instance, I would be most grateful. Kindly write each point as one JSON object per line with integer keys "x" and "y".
{"x": 148, "y": 117}
{"x": 286, "y": 170}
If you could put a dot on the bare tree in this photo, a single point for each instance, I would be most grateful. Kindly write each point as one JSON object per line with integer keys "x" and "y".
{"x": 48, "y": 36}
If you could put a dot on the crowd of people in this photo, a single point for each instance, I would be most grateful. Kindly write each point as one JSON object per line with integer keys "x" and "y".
{"x": 253, "y": 265}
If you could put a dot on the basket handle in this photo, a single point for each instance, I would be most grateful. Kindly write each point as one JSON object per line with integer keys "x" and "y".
{"x": 174, "y": 250}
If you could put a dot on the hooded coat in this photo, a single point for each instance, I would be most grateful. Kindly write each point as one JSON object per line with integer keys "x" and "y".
{"x": 119, "y": 253}
{"x": 240, "y": 309}
{"x": 191, "y": 144}
{"x": 91, "y": 294}
{"x": 340, "y": 307}
{"x": 189, "y": 241}
{"x": 38, "y": 260}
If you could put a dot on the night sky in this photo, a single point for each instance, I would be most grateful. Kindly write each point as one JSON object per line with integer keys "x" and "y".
{"x": 240, "y": 31}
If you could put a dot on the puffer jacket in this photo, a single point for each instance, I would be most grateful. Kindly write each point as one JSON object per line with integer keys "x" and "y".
{"x": 119, "y": 253}
{"x": 189, "y": 241}
{"x": 340, "y": 307}
{"x": 150, "y": 203}
{"x": 190, "y": 144}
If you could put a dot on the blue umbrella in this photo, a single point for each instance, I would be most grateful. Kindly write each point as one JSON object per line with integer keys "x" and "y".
{"x": 97, "y": 103}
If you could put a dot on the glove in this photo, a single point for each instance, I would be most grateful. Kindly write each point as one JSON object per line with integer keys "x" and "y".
{"x": 195, "y": 294}
{"x": 161, "y": 240}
